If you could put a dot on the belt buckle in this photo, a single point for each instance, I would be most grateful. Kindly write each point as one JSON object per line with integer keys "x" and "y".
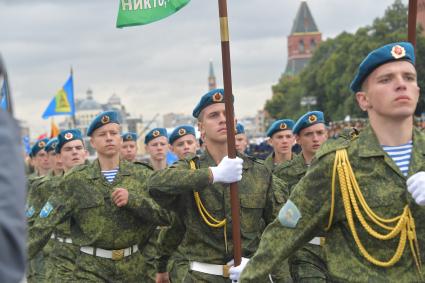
{"x": 117, "y": 254}
{"x": 226, "y": 271}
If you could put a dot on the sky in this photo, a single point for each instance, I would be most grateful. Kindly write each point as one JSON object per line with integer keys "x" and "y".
{"x": 161, "y": 67}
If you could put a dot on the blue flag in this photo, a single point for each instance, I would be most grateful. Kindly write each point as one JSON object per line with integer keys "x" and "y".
{"x": 26, "y": 143}
{"x": 3, "y": 96}
{"x": 63, "y": 102}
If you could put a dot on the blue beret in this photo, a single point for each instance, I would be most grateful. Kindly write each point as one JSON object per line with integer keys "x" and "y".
{"x": 308, "y": 119}
{"x": 240, "y": 129}
{"x": 385, "y": 54}
{"x": 51, "y": 145}
{"x": 129, "y": 136}
{"x": 39, "y": 145}
{"x": 280, "y": 125}
{"x": 67, "y": 136}
{"x": 101, "y": 120}
{"x": 211, "y": 97}
{"x": 154, "y": 133}
{"x": 181, "y": 131}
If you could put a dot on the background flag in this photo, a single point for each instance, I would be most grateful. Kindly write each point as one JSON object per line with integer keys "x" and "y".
{"x": 141, "y": 12}
{"x": 5, "y": 97}
{"x": 26, "y": 143}
{"x": 63, "y": 102}
{"x": 54, "y": 129}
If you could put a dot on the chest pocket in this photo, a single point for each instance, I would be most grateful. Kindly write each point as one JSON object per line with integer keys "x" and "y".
{"x": 252, "y": 208}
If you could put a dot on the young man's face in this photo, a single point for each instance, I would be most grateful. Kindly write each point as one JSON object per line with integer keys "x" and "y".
{"x": 157, "y": 148}
{"x": 184, "y": 146}
{"x": 41, "y": 160}
{"x": 282, "y": 141}
{"x": 310, "y": 139}
{"x": 72, "y": 154}
{"x": 106, "y": 140}
{"x": 241, "y": 142}
{"x": 212, "y": 124}
{"x": 391, "y": 91}
{"x": 129, "y": 150}
{"x": 55, "y": 162}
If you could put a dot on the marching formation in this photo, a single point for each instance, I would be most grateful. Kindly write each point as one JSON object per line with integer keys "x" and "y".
{"x": 346, "y": 209}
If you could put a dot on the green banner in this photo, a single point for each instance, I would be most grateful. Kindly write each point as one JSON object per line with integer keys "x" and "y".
{"x": 142, "y": 12}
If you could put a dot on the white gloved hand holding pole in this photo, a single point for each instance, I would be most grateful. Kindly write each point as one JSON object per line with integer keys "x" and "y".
{"x": 236, "y": 271}
{"x": 416, "y": 187}
{"x": 229, "y": 170}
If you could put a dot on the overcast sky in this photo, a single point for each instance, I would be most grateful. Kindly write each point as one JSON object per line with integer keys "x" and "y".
{"x": 161, "y": 67}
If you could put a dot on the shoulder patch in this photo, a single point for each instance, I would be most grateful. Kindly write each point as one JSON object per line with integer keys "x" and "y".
{"x": 45, "y": 211}
{"x": 289, "y": 215}
{"x": 29, "y": 212}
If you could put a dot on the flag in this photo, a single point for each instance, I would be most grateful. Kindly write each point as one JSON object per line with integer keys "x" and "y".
{"x": 54, "y": 129}
{"x": 26, "y": 143}
{"x": 5, "y": 99}
{"x": 42, "y": 136}
{"x": 3, "y": 95}
{"x": 142, "y": 12}
{"x": 63, "y": 102}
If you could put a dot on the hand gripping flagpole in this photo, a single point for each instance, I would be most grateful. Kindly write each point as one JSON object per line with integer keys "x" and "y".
{"x": 411, "y": 27}
{"x": 230, "y": 120}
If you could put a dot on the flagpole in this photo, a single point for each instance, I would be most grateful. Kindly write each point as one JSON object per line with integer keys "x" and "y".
{"x": 74, "y": 121}
{"x": 411, "y": 26}
{"x": 230, "y": 120}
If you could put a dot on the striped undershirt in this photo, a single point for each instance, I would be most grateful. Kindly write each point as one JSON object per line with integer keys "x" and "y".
{"x": 401, "y": 155}
{"x": 110, "y": 174}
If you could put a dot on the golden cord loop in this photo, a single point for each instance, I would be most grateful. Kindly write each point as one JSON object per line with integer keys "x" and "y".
{"x": 206, "y": 216}
{"x": 403, "y": 225}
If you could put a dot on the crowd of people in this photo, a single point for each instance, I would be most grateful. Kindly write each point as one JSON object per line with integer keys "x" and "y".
{"x": 336, "y": 202}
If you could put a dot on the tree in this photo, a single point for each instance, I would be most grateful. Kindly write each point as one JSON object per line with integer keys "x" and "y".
{"x": 333, "y": 66}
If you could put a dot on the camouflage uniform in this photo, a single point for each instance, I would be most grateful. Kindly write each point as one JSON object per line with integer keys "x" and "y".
{"x": 269, "y": 162}
{"x": 85, "y": 200}
{"x": 306, "y": 264}
{"x": 261, "y": 194}
{"x": 38, "y": 193}
{"x": 384, "y": 189}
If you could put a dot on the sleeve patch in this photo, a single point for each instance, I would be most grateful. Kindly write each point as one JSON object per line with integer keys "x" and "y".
{"x": 45, "y": 211}
{"x": 29, "y": 212}
{"x": 289, "y": 215}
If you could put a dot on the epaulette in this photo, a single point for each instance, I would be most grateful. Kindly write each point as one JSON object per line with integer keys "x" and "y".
{"x": 36, "y": 181}
{"x": 343, "y": 141}
{"x": 144, "y": 164}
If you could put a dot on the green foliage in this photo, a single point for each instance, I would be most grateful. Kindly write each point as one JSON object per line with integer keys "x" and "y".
{"x": 333, "y": 66}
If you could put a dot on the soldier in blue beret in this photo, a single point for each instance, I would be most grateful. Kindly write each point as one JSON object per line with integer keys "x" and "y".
{"x": 195, "y": 189}
{"x": 55, "y": 161}
{"x": 308, "y": 263}
{"x": 281, "y": 139}
{"x": 110, "y": 212}
{"x": 157, "y": 146}
{"x": 40, "y": 158}
{"x": 183, "y": 141}
{"x": 129, "y": 146}
{"x": 241, "y": 140}
{"x": 361, "y": 182}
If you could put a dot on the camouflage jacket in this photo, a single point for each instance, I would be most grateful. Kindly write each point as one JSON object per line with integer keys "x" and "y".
{"x": 384, "y": 189}
{"x": 261, "y": 194}
{"x": 85, "y": 200}
{"x": 40, "y": 190}
{"x": 292, "y": 171}
{"x": 269, "y": 163}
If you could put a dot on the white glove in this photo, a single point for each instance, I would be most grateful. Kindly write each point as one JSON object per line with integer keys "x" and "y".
{"x": 228, "y": 171}
{"x": 236, "y": 271}
{"x": 416, "y": 187}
